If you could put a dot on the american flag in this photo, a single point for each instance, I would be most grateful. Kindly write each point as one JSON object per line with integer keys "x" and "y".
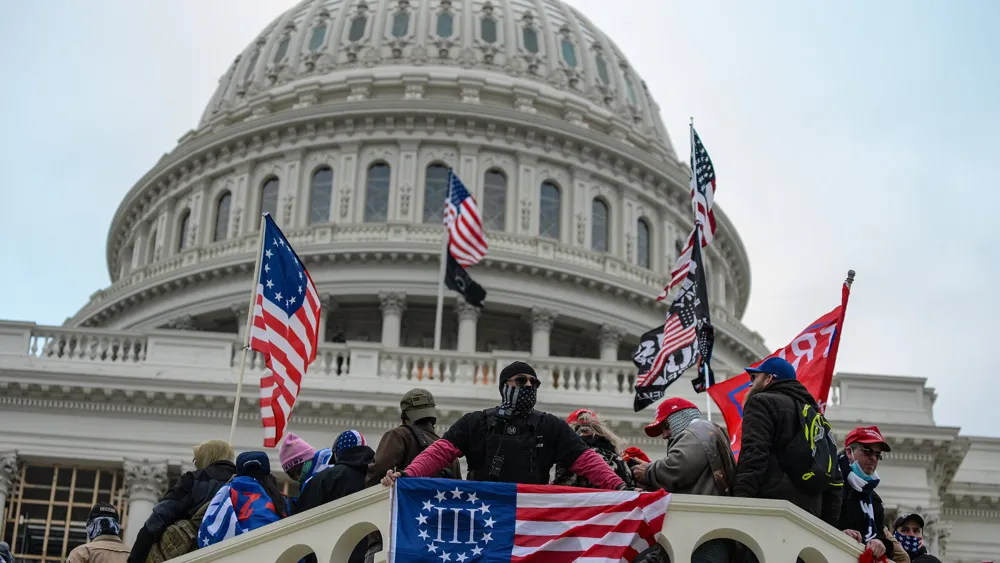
{"x": 285, "y": 329}
{"x": 439, "y": 520}
{"x": 466, "y": 239}
{"x": 681, "y": 268}
{"x": 702, "y": 188}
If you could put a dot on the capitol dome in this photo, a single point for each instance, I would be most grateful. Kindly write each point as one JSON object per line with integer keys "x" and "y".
{"x": 342, "y": 118}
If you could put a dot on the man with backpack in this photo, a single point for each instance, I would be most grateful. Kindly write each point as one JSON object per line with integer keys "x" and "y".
{"x": 779, "y": 458}
{"x": 398, "y": 447}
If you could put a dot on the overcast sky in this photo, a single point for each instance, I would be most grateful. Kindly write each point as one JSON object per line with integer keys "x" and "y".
{"x": 850, "y": 135}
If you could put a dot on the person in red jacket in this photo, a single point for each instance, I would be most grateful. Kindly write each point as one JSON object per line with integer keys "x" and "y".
{"x": 512, "y": 443}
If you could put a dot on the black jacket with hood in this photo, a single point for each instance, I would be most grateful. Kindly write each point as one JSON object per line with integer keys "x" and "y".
{"x": 345, "y": 477}
{"x": 194, "y": 489}
{"x": 770, "y": 423}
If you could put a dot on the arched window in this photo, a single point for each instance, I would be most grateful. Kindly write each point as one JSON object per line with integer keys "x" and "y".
{"x": 400, "y": 24}
{"x": 357, "y": 31}
{"x": 151, "y": 247}
{"x": 602, "y": 70}
{"x": 599, "y": 225}
{"x": 488, "y": 30}
{"x": 126, "y": 259}
{"x": 435, "y": 192}
{"x": 222, "y": 217}
{"x": 530, "y": 37}
{"x": 630, "y": 90}
{"x": 282, "y": 50}
{"x": 251, "y": 65}
{"x": 495, "y": 200}
{"x": 183, "y": 230}
{"x": 445, "y": 24}
{"x": 320, "y": 196}
{"x": 569, "y": 53}
{"x": 642, "y": 243}
{"x": 377, "y": 193}
{"x": 317, "y": 37}
{"x": 548, "y": 211}
{"x": 269, "y": 200}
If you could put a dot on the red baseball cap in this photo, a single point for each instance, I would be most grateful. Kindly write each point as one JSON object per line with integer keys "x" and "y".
{"x": 866, "y": 435}
{"x": 575, "y": 415}
{"x": 633, "y": 452}
{"x": 665, "y": 409}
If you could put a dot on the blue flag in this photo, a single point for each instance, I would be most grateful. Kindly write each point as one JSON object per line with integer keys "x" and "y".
{"x": 240, "y": 506}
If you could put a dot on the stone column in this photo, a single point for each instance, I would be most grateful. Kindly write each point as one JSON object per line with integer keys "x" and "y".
{"x": 609, "y": 338}
{"x": 240, "y": 312}
{"x": 8, "y": 476}
{"x": 145, "y": 481}
{"x": 541, "y": 330}
{"x": 327, "y": 305}
{"x": 392, "y": 305}
{"x": 468, "y": 316}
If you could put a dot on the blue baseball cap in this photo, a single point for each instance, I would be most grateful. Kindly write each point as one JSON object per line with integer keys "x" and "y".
{"x": 778, "y": 367}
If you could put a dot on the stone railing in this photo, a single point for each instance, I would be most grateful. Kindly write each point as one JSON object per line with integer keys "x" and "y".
{"x": 215, "y": 358}
{"x": 775, "y": 531}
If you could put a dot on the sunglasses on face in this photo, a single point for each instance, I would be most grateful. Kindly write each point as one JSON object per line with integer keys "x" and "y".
{"x": 754, "y": 374}
{"x": 523, "y": 380}
{"x": 871, "y": 453}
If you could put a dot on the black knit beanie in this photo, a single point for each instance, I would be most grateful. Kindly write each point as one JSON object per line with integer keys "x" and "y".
{"x": 515, "y": 369}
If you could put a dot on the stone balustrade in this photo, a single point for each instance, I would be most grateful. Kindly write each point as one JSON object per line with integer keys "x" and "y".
{"x": 775, "y": 530}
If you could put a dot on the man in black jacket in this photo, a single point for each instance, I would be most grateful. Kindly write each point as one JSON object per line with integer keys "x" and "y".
{"x": 214, "y": 468}
{"x": 770, "y": 423}
{"x": 346, "y": 477}
{"x": 862, "y": 516}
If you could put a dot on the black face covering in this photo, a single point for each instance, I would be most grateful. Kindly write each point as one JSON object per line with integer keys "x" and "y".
{"x": 518, "y": 400}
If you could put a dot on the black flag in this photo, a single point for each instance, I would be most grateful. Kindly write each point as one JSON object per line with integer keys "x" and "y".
{"x": 457, "y": 279}
{"x": 686, "y": 338}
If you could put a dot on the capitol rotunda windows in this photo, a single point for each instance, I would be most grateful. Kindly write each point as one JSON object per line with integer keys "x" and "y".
{"x": 183, "y": 230}
{"x": 494, "y": 200}
{"x": 358, "y": 25}
{"x": 377, "y": 193}
{"x": 269, "y": 199}
{"x": 221, "y": 230}
{"x": 320, "y": 195}
{"x": 568, "y": 52}
{"x": 599, "y": 225}
{"x": 530, "y": 38}
{"x": 548, "y": 211}
{"x": 282, "y": 50}
{"x": 401, "y": 23}
{"x": 602, "y": 69}
{"x": 317, "y": 37}
{"x": 435, "y": 192}
{"x": 642, "y": 243}
{"x": 488, "y": 30}
{"x": 445, "y": 24}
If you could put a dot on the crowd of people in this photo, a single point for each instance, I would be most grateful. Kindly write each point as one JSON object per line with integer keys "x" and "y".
{"x": 515, "y": 442}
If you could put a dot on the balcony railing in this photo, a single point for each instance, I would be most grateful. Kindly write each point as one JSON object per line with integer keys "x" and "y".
{"x": 775, "y": 530}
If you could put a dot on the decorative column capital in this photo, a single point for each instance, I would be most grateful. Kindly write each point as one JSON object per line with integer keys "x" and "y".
{"x": 182, "y": 323}
{"x": 392, "y": 303}
{"x": 327, "y": 302}
{"x": 466, "y": 312}
{"x": 542, "y": 319}
{"x": 8, "y": 472}
{"x": 610, "y": 336}
{"x": 145, "y": 479}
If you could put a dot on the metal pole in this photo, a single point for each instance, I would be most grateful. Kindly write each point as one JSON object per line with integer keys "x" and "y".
{"x": 246, "y": 335}
{"x": 444, "y": 268}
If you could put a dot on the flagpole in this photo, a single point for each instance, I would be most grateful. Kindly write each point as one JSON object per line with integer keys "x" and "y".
{"x": 697, "y": 240}
{"x": 246, "y": 333}
{"x": 443, "y": 270}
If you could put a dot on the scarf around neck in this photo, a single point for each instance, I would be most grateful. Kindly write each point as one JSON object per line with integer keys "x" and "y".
{"x": 103, "y": 526}
{"x": 864, "y": 484}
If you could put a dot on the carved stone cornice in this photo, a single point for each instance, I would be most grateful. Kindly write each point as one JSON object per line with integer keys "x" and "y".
{"x": 8, "y": 472}
{"x": 145, "y": 479}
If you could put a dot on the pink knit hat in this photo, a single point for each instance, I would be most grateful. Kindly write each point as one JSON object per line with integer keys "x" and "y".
{"x": 294, "y": 451}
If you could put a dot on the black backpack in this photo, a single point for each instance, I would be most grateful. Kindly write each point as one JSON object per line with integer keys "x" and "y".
{"x": 810, "y": 460}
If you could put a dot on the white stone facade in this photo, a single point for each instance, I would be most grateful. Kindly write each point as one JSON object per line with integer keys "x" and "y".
{"x": 338, "y": 120}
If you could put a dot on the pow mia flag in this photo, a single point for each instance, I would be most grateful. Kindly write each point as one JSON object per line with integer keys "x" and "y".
{"x": 685, "y": 339}
{"x": 457, "y": 279}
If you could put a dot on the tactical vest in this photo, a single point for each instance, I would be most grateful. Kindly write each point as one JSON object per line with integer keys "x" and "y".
{"x": 512, "y": 451}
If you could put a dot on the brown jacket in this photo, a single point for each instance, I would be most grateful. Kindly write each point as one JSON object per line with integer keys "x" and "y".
{"x": 898, "y": 554}
{"x": 686, "y": 468}
{"x": 104, "y": 549}
{"x": 398, "y": 447}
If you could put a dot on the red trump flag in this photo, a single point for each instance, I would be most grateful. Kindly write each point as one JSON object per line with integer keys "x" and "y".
{"x": 813, "y": 353}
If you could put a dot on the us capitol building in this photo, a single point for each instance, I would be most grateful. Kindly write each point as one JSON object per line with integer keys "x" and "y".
{"x": 341, "y": 119}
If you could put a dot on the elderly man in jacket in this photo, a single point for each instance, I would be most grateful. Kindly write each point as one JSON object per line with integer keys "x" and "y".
{"x": 698, "y": 462}
{"x": 770, "y": 423}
